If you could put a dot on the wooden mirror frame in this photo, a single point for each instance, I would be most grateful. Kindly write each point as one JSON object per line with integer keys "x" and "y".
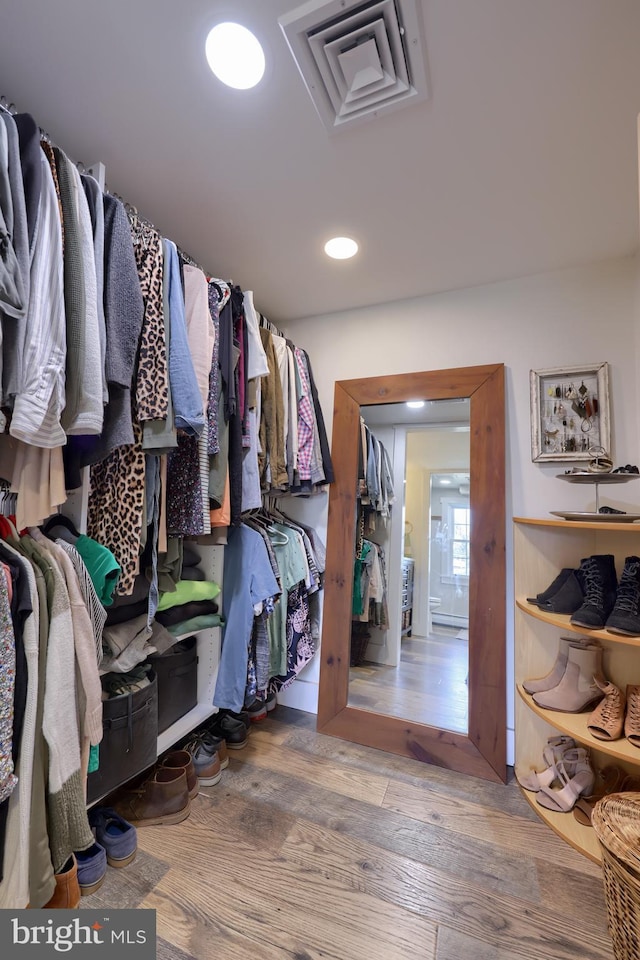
{"x": 482, "y": 752}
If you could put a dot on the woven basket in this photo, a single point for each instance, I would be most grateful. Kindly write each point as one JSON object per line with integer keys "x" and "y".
{"x": 360, "y": 637}
{"x": 616, "y": 822}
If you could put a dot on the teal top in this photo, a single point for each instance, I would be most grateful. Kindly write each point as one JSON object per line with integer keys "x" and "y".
{"x": 102, "y": 566}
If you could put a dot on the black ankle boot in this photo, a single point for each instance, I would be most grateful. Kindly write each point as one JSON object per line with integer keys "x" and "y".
{"x": 553, "y": 587}
{"x": 625, "y": 616}
{"x": 600, "y": 584}
{"x": 565, "y": 595}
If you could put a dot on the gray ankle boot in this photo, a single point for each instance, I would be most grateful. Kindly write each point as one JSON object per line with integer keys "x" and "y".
{"x": 577, "y": 690}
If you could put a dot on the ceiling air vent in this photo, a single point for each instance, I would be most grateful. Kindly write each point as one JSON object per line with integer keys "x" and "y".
{"x": 357, "y": 59}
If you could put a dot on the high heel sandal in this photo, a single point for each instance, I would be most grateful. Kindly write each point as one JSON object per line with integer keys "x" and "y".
{"x": 609, "y": 779}
{"x": 555, "y": 750}
{"x": 574, "y": 785}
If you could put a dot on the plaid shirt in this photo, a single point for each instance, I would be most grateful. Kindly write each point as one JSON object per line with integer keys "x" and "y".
{"x": 306, "y": 419}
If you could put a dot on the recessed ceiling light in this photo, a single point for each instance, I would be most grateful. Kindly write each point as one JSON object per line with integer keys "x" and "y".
{"x": 235, "y": 55}
{"x": 341, "y": 248}
{"x": 415, "y": 404}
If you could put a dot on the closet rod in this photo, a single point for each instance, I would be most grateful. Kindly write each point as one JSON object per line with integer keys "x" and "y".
{"x": 268, "y": 325}
{"x": 11, "y": 109}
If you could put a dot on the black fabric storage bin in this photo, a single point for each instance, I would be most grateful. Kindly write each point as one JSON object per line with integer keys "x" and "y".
{"x": 130, "y": 739}
{"x": 177, "y": 671}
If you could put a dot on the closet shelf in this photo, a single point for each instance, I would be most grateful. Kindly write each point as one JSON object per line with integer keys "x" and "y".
{"x": 563, "y": 623}
{"x": 575, "y": 725}
{"x": 580, "y": 525}
{"x": 565, "y": 825}
{"x": 182, "y": 727}
{"x": 192, "y": 633}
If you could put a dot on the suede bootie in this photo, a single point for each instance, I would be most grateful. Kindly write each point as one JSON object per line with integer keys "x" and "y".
{"x": 577, "y": 690}
{"x": 555, "y": 675}
{"x": 564, "y": 595}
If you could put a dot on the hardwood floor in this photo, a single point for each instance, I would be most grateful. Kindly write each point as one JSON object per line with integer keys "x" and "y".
{"x": 428, "y": 685}
{"x": 311, "y": 848}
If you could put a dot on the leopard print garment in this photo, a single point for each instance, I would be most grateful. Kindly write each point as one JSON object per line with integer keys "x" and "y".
{"x": 152, "y": 377}
{"x": 116, "y": 507}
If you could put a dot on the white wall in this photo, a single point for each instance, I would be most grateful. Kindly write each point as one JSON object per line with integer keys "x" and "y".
{"x": 581, "y": 316}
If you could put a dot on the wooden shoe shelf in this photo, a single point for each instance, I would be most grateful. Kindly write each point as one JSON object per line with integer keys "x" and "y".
{"x": 541, "y": 549}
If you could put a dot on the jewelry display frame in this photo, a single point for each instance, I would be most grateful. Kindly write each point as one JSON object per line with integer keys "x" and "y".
{"x": 569, "y": 412}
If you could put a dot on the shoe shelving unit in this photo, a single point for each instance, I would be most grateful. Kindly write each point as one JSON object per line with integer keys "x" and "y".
{"x": 541, "y": 549}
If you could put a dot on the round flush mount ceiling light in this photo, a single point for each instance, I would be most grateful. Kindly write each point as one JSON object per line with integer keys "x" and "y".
{"x": 341, "y": 248}
{"x": 235, "y": 56}
{"x": 415, "y": 404}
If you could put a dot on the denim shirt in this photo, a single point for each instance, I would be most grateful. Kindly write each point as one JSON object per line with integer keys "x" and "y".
{"x": 185, "y": 395}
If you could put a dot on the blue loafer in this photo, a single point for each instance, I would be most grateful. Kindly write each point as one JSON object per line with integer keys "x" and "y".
{"x": 117, "y": 835}
{"x": 92, "y": 868}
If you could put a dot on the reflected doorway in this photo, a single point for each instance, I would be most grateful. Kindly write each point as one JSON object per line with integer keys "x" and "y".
{"x": 416, "y": 666}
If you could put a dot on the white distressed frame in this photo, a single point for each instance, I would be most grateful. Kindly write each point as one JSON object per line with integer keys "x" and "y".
{"x": 550, "y": 439}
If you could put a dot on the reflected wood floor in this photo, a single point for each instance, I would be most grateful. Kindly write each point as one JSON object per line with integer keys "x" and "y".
{"x": 427, "y": 686}
{"x": 312, "y": 848}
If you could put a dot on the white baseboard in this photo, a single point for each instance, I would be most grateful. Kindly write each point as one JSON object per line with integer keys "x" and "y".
{"x": 450, "y": 620}
{"x": 300, "y": 696}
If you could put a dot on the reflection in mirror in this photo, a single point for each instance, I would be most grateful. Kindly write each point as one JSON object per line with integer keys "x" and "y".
{"x": 410, "y": 629}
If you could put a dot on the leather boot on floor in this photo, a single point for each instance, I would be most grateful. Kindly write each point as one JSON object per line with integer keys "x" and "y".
{"x": 625, "y": 616}
{"x": 607, "y": 720}
{"x": 162, "y": 798}
{"x": 66, "y": 896}
{"x": 182, "y": 760}
{"x": 578, "y": 689}
{"x": 600, "y": 585}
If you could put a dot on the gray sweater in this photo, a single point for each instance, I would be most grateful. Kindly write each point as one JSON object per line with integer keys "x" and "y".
{"x": 123, "y": 314}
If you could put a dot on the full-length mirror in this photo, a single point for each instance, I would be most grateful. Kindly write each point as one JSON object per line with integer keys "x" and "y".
{"x": 413, "y": 646}
{"x": 409, "y": 635}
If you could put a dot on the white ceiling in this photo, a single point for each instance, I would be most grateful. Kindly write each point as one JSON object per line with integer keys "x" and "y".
{"x": 523, "y": 160}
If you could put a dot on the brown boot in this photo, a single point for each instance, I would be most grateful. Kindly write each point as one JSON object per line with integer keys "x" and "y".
{"x": 181, "y": 760}
{"x": 66, "y": 896}
{"x": 162, "y": 798}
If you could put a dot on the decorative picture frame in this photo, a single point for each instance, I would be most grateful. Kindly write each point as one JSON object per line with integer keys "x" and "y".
{"x": 569, "y": 412}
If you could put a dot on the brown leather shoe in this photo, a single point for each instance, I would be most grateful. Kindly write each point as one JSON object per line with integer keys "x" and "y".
{"x": 66, "y": 896}
{"x": 162, "y": 798}
{"x": 182, "y": 760}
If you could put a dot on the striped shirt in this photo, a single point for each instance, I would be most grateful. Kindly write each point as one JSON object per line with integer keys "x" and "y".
{"x": 95, "y": 609}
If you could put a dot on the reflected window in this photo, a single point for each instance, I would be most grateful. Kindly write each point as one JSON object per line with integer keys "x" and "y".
{"x": 456, "y": 541}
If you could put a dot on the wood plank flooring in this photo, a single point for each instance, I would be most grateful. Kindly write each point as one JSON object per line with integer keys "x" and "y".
{"x": 428, "y": 685}
{"x": 312, "y": 848}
